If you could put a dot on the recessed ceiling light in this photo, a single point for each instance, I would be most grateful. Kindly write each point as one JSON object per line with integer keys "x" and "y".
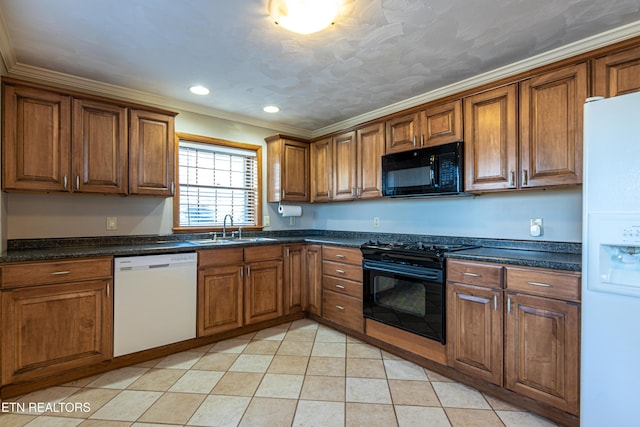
{"x": 271, "y": 109}
{"x": 199, "y": 90}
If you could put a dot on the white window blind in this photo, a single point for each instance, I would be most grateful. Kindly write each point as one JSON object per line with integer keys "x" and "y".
{"x": 216, "y": 181}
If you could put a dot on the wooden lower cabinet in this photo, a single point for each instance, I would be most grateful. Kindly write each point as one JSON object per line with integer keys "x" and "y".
{"x": 53, "y": 328}
{"x": 474, "y": 322}
{"x": 343, "y": 309}
{"x": 313, "y": 300}
{"x": 542, "y": 350}
{"x": 220, "y": 299}
{"x": 263, "y": 291}
{"x": 294, "y": 278}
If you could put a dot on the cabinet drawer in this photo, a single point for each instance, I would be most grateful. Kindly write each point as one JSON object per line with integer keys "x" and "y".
{"x": 220, "y": 257}
{"x": 344, "y": 271}
{"x": 546, "y": 283}
{"x": 262, "y": 253}
{"x": 474, "y": 273}
{"x": 343, "y": 309}
{"x": 342, "y": 286}
{"x": 341, "y": 254}
{"x": 38, "y": 273}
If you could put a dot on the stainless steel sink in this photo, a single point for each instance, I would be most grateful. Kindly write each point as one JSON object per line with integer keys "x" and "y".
{"x": 255, "y": 239}
{"x": 230, "y": 241}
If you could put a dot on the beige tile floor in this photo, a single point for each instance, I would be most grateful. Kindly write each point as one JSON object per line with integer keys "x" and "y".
{"x": 296, "y": 374}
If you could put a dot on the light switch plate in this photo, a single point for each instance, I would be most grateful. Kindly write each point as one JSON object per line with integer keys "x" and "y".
{"x": 266, "y": 221}
{"x": 112, "y": 223}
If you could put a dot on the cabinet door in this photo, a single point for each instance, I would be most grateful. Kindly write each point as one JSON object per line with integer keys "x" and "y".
{"x": 618, "y": 73}
{"x": 490, "y": 147}
{"x": 295, "y": 171}
{"x": 294, "y": 278}
{"x": 321, "y": 170}
{"x": 52, "y": 328}
{"x": 542, "y": 347}
{"x": 474, "y": 331}
{"x": 370, "y": 144}
{"x": 314, "y": 279}
{"x": 344, "y": 166}
{"x": 151, "y": 154}
{"x": 403, "y": 133}
{"x": 99, "y": 148}
{"x": 220, "y": 299}
{"x": 263, "y": 291}
{"x": 36, "y": 140}
{"x": 551, "y": 107}
{"x": 442, "y": 123}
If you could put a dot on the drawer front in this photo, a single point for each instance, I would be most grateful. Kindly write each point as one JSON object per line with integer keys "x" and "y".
{"x": 474, "y": 273}
{"x": 38, "y": 273}
{"x": 343, "y": 271}
{"x": 545, "y": 283}
{"x": 220, "y": 257}
{"x": 343, "y": 309}
{"x": 340, "y": 254}
{"x": 342, "y": 286}
{"x": 262, "y": 253}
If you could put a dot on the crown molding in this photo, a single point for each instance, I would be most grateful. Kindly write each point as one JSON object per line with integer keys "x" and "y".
{"x": 582, "y": 46}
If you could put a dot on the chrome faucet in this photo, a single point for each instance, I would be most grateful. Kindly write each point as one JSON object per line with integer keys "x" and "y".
{"x": 224, "y": 225}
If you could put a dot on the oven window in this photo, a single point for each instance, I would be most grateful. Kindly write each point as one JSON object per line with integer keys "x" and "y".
{"x": 400, "y": 295}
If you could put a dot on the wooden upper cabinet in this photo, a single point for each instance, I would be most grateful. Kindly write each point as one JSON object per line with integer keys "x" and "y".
{"x": 618, "y": 73}
{"x": 490, "y": 129}
{"x": 551, "y": 108}
{"x": 288, "y": 169}
{"x": 442, "y": 123}
{"x": 403, "y": 133}
{"x": 370, "y": 149}
{"x": 344, "y": 166}
{"x": 99, "y": 147}
{"x": 151, "y": 153}
{"x": 437, "y": 124}
{"x": 36, "y": 140}
{"x": 321, "y": 170}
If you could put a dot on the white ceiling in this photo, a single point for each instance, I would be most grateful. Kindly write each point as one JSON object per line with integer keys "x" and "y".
{"x": 378, "y": 53}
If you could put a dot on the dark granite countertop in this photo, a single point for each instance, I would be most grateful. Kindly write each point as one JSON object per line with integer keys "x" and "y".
{"x": 562, "y": 256}
{"x": 529, "y": 258}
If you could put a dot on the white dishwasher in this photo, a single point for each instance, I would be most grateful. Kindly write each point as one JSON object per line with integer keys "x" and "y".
{"x": 154, "y": 301}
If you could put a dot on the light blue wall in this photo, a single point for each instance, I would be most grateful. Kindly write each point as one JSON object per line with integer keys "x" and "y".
{"x": 499, "y": 215}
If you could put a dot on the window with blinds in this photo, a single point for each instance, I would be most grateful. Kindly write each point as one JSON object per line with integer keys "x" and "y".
{"x": 216, "y": 180}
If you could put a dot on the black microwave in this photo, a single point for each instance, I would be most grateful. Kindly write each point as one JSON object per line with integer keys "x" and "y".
{"x": 428, "y": 171}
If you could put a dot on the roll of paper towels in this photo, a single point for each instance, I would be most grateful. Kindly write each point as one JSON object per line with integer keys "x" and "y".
{"x": 290, "y": 210}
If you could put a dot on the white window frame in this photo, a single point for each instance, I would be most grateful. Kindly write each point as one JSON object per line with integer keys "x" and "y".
{"x": 220, "y": 146}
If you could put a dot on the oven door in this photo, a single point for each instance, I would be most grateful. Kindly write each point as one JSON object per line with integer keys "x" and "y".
{"x": 407, "y": 297}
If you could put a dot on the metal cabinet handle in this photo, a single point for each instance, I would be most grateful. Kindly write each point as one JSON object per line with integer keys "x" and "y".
{"x": 414, "y": 140}
{"x": 64, "y": 182}
{"x": 422, "y": 140}
{"x": 353, "y": 191}
{"x": 508, "y": 305}
{"x": 340, "y": 256}
{"x": 108, "y": 292}
{"x": 283, "y": 194}
{"x": 525, "y": 177}
{"x": 544, "y": 285}
{"x": 339, "y": 286}
{"x": 77, "y": 182}
{"x": 173, "y": 188}
{"x": 329, "y": 194}
{"x": 340, "y": 271}
{"x": 60, "y": 273}
{"x": 471, "y": 274}
{"x": 248, "y": 271}
{"x": 495, "y": 302}
{"x": 512, "y": 179}
{"x": 339, "y": 307}
{"x": 286, "y": 252}
{"x": 241, "y": 272}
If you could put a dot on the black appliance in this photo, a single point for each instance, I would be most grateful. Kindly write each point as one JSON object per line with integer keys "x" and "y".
{"x": 404, "y": 285}
{"x": 428, "y": 171}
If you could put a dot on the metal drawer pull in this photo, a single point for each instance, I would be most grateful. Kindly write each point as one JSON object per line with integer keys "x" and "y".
{"x": 339, "y": 286}
{"x": 340, "y": 271}
{"x": 60, "y": 273}
{"x": 545, "y": 285}
{"x": 339, "y": 307}
{"x": 340, "y": 256}
{"x": 509, "y": 305}
{"x": 471, "y": 274}
{"x": 495, "y": 302}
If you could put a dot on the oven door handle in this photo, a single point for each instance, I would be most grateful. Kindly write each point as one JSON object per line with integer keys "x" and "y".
{"x": 413, "y": 272}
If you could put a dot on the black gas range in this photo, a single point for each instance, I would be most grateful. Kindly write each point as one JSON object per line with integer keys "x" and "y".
{"x": 404, "y": 285}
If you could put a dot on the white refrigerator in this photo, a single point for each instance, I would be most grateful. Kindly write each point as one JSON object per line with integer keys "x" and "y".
{"x": 610, "y": 352}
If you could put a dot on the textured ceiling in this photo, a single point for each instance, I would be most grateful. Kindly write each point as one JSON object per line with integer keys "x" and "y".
{"x": 379, "y": 52}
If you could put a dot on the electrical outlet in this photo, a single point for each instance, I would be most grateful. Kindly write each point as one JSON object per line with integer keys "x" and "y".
{"x": 292, "y": 220}
{"x": 535, "y": 227}
{"x": 376, "y": 222}
{"x": 112, "y": 223}
{"x": 266, "y": 221}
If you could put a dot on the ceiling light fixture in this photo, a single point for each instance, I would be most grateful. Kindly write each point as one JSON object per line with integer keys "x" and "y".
{"x": 271, "y": 109}
{"x": 199, "y": 90}
{"x": 304, "y": 16}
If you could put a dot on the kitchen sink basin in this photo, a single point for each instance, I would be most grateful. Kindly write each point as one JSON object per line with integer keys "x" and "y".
{"x": 229, "y": 241}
